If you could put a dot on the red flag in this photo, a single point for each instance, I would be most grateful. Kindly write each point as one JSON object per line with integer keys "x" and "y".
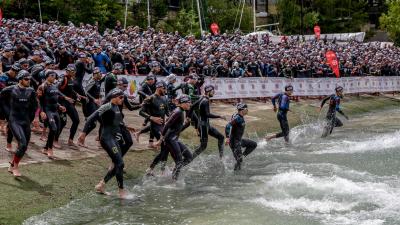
{"x": 317, "y": 31}
{"x": 333, "y": 62}
{"x": 214, "y": 28}
{"x": 1, "y": 17}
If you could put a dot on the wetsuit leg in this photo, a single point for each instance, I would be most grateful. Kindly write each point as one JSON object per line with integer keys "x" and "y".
{"x": 236, "y": 148}
{"x": 145, "y": 130}
{"x": 54, "y": 125}
{"x": 203, "y": 129}
{"x": 249, "y": 146}
{"x": 163, "y": 155}
{"x": 338, "y": 123}
{"x": 91, "y": 108}
{"x": 9, "y": 134}
{"x": 73, "y": 114}
{"x": 22, "y": 133}
{"x": 178, "y": 152}
{"x": 194, "y": 120}
{"x": 63, "y": 122}
{"x": 113, "y": 150}
{"x": 283, "y": 122}
{"x": 126, "y": 141}
{"x": 216, "y": 134}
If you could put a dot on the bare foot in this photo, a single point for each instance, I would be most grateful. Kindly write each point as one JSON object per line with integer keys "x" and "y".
{"x": 9, "y": 148}
{"x": 16, "y": 172}
{"x": 122, "y": 194}
{"x": 10, "y": 168}
{"x": 44, "y": 151}
{"x": 56, "y": 145}
{"x": 72, "y": 144}
{"x": 100, "y": 187}
{"x": 150, "y": 172}
{"x": 50, "y": 154}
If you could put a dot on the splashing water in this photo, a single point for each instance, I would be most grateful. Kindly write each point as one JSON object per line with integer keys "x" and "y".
{"x": 350, "y": 177}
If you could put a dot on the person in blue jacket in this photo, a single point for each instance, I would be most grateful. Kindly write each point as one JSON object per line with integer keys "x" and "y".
{"x": 334, "y": 106}
{"x": 101, "y": 60}
{"x": 283, "y": 100}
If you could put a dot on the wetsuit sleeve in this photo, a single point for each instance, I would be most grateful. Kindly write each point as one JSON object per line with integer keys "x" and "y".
{"x": 324, "y": 101}
{"x": 33, "y": 105}
{"x": 91, "y": 120}
{"x": 170, "y": 123}
{"x": 206, "y": 104}
{"x": 273, "y": 100}
{"x": 228, "y": 129}
{"x": 5, "y": 98}
{"x": 144, "y": 112}
{"x": 87, "y": 89}
{"x": 194, "y": 106}
{"x": 41, "y": 97}
{"x": 131, "y": 105}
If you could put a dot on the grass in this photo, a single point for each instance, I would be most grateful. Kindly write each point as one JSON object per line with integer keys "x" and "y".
{"x": 51, "y": 185}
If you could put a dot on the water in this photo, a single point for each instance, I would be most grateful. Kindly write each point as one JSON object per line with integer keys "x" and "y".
{"x": 352, "y": 177}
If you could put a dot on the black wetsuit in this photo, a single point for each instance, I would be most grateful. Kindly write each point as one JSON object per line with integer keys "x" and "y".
{"x": 179, "y": 152}
{"x": 110, "y": 82}
{"x": 81, "y": 69}
{"x": 7, "y": 81}
{"x": 111, "y": 138}
{"x": 49, "y": 104}
{"x": 145, "y": 91}
{"x": 206, "y": 129}
{"x": 92, "y": 91}
{"x": 23, "y": 104}
{"x": 332, "y": 120}
{"x": 234, "y": 131}
{"x": 156, "y": 106}
{"x": 67, "y": 88}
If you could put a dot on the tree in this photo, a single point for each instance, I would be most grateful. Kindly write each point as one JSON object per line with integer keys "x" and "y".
{"x": 289, "y": 16}
{"x": 391, "y": 21}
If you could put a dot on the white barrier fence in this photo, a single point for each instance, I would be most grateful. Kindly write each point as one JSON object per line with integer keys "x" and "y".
{"x": 227, "y": 88}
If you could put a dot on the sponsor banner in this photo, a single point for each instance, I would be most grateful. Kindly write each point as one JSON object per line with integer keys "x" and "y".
{"x": 228, "y": 88}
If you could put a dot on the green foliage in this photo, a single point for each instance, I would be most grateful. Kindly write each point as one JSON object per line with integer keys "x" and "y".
{"x": 289, "y": 16}
{"x": 333, "y": 16}
{"x": 158, "y": 10}
{"x": 106, "y": 12}
{"x": 223, "y": 12}
{"x": 311, "y": 19}
{"x": 391, "y": 21}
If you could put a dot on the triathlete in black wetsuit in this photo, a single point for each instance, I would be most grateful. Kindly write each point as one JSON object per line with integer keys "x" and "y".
{"x": 170, "y": 136}
{"x": 205, "y": 128}
{"x": 234, "y": 131}
{"x": 334, "y": 106}
{"x": 49, "y": 96}
{"x": 66, "y": 87}
{"x": 23, "y": 104}
{"x": 111, "y": 138}
{"x": 155, "y": 109}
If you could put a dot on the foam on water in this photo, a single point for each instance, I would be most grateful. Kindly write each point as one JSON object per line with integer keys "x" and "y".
{"x": 377, "y": 143}
{"x": 335, "y": 198}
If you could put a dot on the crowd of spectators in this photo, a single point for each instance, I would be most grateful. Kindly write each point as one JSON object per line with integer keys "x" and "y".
{"x": 149, "y": 51}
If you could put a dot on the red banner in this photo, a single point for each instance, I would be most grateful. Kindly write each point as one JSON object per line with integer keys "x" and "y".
{"x": 317, "y": 32}
{"x": 333, "y": 62}
{"x": 1, "y": 17}
{"x": 214, "y": 28}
